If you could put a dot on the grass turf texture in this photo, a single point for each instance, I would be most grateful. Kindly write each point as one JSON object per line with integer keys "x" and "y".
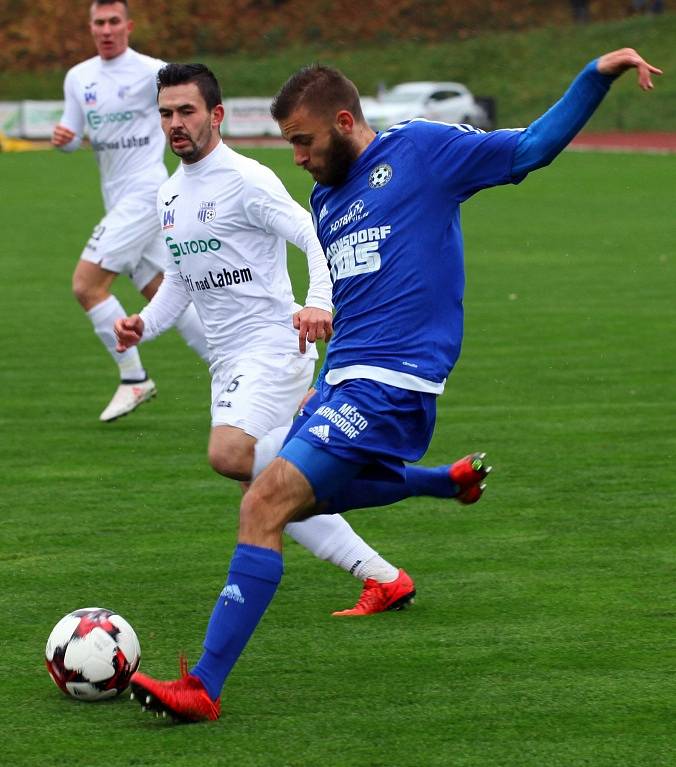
{"x": 543, "y": 631}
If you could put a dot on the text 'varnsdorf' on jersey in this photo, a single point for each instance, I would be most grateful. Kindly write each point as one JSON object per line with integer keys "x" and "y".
{"x": 392, "y": 237}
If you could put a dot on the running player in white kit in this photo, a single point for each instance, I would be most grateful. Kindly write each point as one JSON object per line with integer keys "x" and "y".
{"x": 112, "y": 99}
{"x": 226, "y": 220}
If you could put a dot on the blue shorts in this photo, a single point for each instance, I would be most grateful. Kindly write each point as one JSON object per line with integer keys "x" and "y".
{"x": 359, "y": 428}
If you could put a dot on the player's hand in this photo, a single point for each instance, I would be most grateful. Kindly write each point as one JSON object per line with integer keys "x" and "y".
{"x": 312, "y": 324}
{"x": 128, "y": 331}
{"x": 617, "y": 62}
{"x": 62, "y": 136}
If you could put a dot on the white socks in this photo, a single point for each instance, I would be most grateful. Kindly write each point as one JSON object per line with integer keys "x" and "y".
{"x": 103, "y": 318}
{"x": 327, "y": 536}
{"x": 330, "y": 537}
{"x": 190, "y": 327}
{"x": 378, "y": 569}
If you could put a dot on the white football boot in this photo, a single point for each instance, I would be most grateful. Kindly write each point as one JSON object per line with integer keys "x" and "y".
{"x": 127, "y": 398}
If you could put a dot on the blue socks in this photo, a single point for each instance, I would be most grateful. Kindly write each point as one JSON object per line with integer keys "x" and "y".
{"x": 255, "y": 573}
{"x": 366, "y": 493}
{"x": 434, "y": 481}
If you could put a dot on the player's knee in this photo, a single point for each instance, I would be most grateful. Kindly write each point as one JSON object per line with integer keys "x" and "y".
{"x": 86, "y": 294}
{"x": 81, "y": 291}
{"x": 232, "y": 461}
{"x": 259, "y": 516}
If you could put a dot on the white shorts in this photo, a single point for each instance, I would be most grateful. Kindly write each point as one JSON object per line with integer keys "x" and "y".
{"x": 128, "y": 240}
{"x": 259, "y": 393}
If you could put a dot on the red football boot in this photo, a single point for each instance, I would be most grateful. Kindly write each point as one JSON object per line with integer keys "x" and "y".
{"x": 468, "y": 474}
{"x": 378, "y": 597}
{"x": 184, "y": 699}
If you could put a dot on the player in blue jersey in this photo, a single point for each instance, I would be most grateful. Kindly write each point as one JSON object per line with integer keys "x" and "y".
{"x": 386, "y": 208}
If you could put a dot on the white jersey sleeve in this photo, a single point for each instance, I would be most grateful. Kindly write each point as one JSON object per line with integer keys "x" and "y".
{"x": 165, "y": 307}
{"x": 269, "y": 206}
{"x": 73, "y": 116}
{"x": 168, "y": 304}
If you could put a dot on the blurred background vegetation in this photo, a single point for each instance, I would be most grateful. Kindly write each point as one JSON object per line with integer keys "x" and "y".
{"x": 521, "y": 53}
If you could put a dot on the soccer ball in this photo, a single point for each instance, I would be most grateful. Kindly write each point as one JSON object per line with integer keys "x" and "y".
{"x": 92, "y": 653}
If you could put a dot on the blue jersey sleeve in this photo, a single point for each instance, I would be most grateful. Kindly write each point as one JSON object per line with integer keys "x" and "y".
{"x": 464, "y": 159}
{"x": 545, "y": 138}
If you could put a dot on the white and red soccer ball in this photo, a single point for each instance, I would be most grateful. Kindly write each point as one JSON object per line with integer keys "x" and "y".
{"x": 92, "y": 653}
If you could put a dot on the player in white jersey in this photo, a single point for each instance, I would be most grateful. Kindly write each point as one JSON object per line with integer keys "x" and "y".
{"x": 112, "y": 99}
{"x": 226, "y": 220}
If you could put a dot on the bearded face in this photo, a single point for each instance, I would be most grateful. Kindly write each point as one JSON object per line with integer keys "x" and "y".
{"x": 333, "y": 165}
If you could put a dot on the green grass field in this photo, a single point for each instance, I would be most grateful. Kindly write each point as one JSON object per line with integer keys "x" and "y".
{"x": 543, "y": 633}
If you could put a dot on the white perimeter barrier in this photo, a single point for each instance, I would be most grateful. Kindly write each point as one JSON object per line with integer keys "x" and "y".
{"x": 248, "y": 117}
{"x": 36, "y": 119}
{"x": 10, "y": 118}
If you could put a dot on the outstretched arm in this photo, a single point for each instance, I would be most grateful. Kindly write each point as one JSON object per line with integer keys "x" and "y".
{"x": 545, "y": 138}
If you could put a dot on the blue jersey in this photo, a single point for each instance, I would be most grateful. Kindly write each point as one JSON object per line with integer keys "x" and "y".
{"x": 392, "y": 237}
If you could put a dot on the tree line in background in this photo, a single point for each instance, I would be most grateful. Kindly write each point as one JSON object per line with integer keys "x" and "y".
{"x": 43, "y": 34}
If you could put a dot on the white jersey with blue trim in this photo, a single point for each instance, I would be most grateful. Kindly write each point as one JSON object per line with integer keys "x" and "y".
{"x": 114, "y": 102}
{"x": 392, "y": 237}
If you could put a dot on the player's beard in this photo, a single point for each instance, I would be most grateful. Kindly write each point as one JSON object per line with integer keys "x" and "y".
{"x": 195, "y": 149}
{"x": 338, "y": 160}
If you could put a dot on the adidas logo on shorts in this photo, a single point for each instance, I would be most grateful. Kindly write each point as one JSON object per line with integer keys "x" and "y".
{"x": 321, "y": 432}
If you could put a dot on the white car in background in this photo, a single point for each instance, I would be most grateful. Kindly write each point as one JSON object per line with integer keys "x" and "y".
{"x": 445, "y": 102}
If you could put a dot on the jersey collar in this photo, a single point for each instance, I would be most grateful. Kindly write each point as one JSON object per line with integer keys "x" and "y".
{"x": 213, "y": 158}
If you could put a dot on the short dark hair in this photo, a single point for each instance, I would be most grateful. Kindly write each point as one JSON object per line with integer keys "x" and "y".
{"x": 203, "y": 77}
{"x": 323, "y": 90}
{"x": 111, "y": 2}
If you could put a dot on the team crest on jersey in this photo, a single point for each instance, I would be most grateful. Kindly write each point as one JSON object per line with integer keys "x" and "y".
{"x": 380, "y": 176}
{"x": 207, "y": 212}
{"x": 123, "y": 90}
{"x": 90, "y": 94}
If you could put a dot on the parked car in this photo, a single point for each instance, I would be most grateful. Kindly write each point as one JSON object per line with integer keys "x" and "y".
{"x": 446, "y": 102}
